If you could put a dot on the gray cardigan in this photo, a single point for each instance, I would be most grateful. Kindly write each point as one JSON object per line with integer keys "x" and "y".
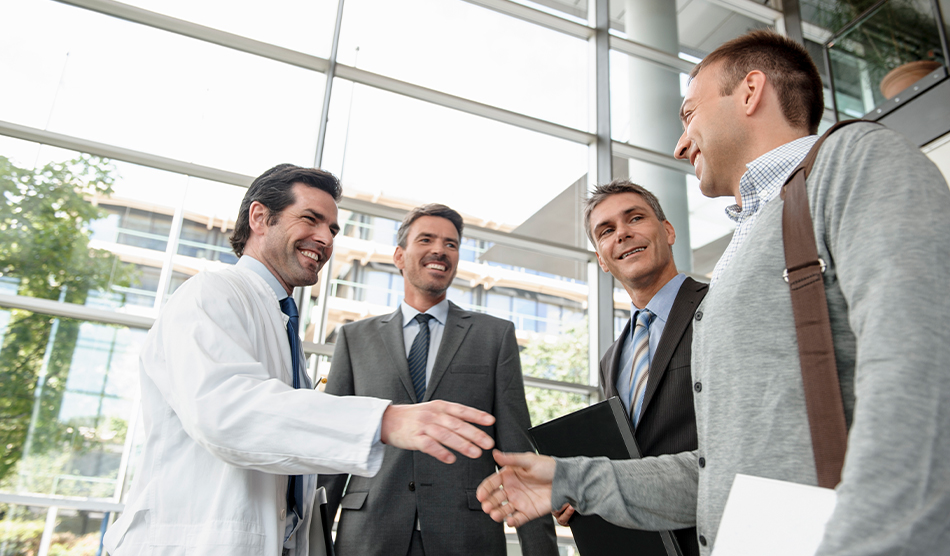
{"x": 882, "y": 221}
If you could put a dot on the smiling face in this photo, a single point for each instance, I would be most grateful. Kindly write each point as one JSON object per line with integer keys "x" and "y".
{"x": 429, "y": 260}
{"x": 633, "y": 245}
{"x": 299, "y": 243}
{"x": 713, "y": 137}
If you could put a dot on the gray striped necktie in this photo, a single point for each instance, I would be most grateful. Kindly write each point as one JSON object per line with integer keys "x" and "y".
{"x": 640, "y": 373}
{"x": 419, "y": 356}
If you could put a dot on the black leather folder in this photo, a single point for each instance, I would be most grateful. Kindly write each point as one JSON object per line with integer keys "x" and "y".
{"x": 602, "y": 429}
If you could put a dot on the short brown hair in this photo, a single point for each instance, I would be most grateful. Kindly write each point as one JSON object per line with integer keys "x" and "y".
{"x": 617, "y": 187}
{"x": 786, "y": 64}
{"x": 433, "y": 209}
{"x": 274, "y": 190}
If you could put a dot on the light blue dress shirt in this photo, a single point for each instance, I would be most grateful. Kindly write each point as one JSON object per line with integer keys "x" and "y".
{"x": 660, "y": 306}
{"x": 410, "y": 328}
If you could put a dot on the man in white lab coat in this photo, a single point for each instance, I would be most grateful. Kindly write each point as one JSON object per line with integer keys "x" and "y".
{"x": 234, "y": 433}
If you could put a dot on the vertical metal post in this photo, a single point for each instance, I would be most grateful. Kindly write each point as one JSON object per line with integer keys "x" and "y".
{"x": 792, "y": 15}
{"x": 171, "y": 249}
{"x": 941, "y": 31}
{"x": 831, "y": 79}
{"x": 600, "y": 306}
{"x": 331, "y": 72}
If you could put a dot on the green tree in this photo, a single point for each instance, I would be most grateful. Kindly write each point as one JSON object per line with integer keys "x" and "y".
{"x": 44, "y": 250}
{"x": 564, "y": 359}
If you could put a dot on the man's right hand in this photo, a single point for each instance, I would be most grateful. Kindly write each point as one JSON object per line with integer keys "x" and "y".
{"x": 563, "y": 516}
{"x": 435, "y": 426}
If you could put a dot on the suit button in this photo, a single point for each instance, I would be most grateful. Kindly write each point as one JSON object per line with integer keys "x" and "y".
{"x": 698, "y": 387}
{"x": 702, "y": 540}
{"x": 702, "y": 462}
{"x": 283, "y": 515}
{"x": 412, "y": 485}
{"x": 699, "y": 315}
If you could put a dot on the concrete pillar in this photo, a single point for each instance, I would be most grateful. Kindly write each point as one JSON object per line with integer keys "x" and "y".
{"x": 654, "y": 114}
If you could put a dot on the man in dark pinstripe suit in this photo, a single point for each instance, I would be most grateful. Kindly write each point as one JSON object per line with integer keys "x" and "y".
{"x": 649, "y": 370}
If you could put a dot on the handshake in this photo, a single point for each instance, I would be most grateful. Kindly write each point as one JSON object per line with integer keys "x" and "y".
{"x": 519, "y": 492}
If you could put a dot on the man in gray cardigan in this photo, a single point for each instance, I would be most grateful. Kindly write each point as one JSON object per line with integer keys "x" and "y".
{"x": 880, "y": 211}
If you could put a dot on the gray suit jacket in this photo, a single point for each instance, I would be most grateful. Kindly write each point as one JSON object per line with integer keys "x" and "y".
{"x": 477, "y": 365}
{"x": 668, "y": 421}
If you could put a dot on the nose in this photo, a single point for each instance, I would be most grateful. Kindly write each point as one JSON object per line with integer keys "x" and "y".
{"x": 323, "y": 236}
{"x": 682, "y": 147}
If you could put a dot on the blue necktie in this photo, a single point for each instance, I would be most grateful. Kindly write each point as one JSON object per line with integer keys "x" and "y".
{"x": 641, "y": 363}
{"x": 287, "y": 305}
{"x": 419, "y": 356}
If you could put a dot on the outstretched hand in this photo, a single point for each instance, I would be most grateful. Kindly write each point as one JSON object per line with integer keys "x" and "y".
{"x": 434, "y": 427}
{"x": 520, "y": 491}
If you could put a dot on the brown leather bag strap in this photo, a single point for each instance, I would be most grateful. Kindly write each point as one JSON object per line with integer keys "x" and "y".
{"x": 803, "y": 268}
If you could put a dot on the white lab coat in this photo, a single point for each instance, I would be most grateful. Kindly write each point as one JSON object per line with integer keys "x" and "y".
{"x": 224, "y": 429}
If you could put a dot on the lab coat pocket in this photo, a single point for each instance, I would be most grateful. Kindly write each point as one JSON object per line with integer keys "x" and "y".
{"x": 353, "y": 500}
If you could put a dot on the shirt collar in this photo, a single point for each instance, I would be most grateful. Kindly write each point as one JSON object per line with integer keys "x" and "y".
{"x": 765, "y": 176}
{"x": 663, "y": 300}
{"x": 440, "y": 311}
{"x": 257, "y": 267}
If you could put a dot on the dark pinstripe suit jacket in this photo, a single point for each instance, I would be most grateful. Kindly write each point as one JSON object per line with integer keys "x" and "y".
{"x": 668, "y": 421}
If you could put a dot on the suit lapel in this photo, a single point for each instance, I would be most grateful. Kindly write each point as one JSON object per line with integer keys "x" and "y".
{"x": 681, "y": 313}
{"x": 390, "y": 331}
{"x": 613, "y": 357}
{"x": 456, "y": 327}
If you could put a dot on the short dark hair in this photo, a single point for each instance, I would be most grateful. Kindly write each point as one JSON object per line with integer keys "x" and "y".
{"x": 617, "y": 187}
{"x": 786, "y": 64}
{"x": 433, "y": 209}
{"x": 274, "y": 190}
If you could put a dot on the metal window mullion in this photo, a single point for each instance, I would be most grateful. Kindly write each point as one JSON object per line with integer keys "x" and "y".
{"x": 74, "y": 311}
{"x": 202, "y": 33}
{"x": 537, "y": 17}
{"x": 328, "y": 89}
{"x": 751, "y": 9}
{"x": 600, "y": 284}
{"x": 461, "y": 104}
{"x": 649, "y": 54}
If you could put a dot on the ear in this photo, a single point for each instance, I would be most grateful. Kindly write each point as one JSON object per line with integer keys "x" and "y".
{"x": 257, "y": 218}
{"x": 399, "y": 258}
{"x": 753, "y": 91}
{"x": 601, "y": 263}
{"x": 670, "y": 233}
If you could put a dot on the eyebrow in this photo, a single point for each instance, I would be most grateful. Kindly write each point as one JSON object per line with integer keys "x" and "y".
{"x": 683, "y": 111}
{"x": 634, "y": 208}
{"x": 436, "y": 236}
{"x": 334, "y": 227}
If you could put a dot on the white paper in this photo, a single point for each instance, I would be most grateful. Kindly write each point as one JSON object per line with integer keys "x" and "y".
{"x": 778, "y": 518}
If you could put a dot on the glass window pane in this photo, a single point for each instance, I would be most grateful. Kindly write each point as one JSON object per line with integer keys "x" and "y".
{"x": 544, "y": 404}
{"x": 104, "y": 79}
{"x": 67, "y": 399}
{"x": 124, "y": 212}
{"x": 74, "y": 533}
{"x": 472, "y": 52}
{"x": 303, "y": 25}
{"x": 404, "y": 152}
{"x": 701, "y": 25}
{"x": 645, "y": 101}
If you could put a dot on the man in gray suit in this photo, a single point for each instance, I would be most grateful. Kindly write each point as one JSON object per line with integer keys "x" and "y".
{"x": 634, "y": 241}
{"x": 429, "y": 349}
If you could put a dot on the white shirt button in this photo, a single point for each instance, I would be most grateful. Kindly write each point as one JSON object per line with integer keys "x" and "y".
{"x": 283, "y": 514}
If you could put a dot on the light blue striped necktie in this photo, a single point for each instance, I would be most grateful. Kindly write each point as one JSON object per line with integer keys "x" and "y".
{"x": 419, "y": 356}
{"x": 640, "y": 373}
